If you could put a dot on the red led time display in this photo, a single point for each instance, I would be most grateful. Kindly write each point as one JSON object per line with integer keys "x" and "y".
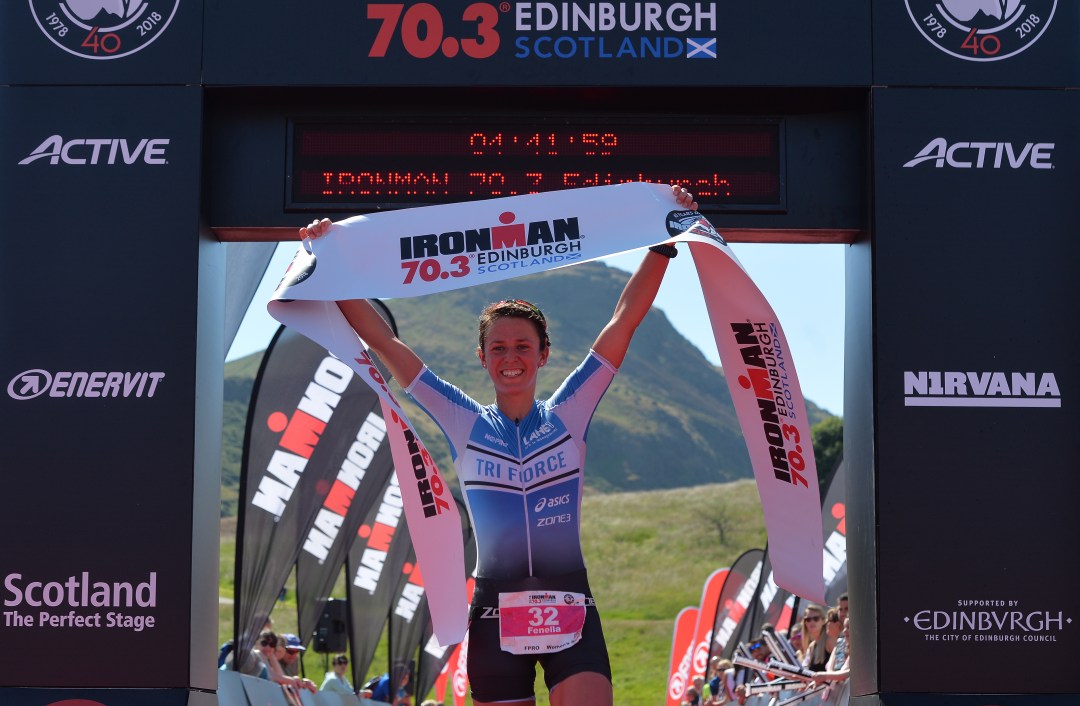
{"x": 364, "y": 166}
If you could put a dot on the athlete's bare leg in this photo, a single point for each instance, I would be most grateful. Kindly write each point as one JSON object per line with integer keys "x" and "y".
{"x": 583, "y": 689}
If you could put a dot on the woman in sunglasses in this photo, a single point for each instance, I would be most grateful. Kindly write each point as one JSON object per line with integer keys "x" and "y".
{"x": 336, "y": 681}
{"x": 520, "y": 462}
{"x": 816, "y": 653}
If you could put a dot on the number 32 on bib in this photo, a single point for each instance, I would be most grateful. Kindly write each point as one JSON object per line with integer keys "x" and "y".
{"x": 540, "y": 622}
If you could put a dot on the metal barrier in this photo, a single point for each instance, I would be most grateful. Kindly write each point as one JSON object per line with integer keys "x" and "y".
{"x": 837, "y": 695}
{"x": 235, "y": 689}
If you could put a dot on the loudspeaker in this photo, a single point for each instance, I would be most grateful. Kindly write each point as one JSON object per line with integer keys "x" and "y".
{"x": 331, "y": 634}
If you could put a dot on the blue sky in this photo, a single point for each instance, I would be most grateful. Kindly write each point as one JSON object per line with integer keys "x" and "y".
{"x": 803, "y": 283}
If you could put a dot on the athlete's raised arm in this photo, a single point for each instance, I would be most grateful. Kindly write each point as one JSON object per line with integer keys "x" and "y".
{"x": 638, "y": 295}
{"x": 365, "y": 319}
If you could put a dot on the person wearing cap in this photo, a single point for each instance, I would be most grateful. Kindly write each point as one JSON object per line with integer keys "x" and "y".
{"x": 336, "y": 681}
{"x": 290, "y": 660}
{"x": 289, "y": 656}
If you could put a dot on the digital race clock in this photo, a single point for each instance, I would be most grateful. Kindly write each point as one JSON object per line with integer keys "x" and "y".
{"x": 389, "y": 163}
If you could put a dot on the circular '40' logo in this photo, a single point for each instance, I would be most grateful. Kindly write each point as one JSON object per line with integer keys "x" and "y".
{"x": 103, "y": 29}
{"x": 982, "y": 30}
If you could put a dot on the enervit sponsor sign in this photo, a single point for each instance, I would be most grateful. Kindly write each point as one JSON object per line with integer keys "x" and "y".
{"x": 99, "y": 150}
{"x": 80, "y": 383}
{"x": 935, "y": 388}
{"x": 103, "y": 29}
{"x": 984, "y": 155}
{"x": 982, "y": 30}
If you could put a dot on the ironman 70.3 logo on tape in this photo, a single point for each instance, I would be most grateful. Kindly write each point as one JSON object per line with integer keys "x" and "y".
{"x": 982, "y": 30}
{"x": 103, "y": 29}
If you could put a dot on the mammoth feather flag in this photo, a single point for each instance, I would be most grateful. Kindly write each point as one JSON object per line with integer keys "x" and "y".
{"x": 434, "y": 249}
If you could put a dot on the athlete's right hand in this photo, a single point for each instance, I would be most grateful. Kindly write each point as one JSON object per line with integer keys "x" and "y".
{"x": 316, "y": 229}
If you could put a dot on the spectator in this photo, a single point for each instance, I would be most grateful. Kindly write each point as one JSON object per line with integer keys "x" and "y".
{"x": 381, "y": 691}
{"x": 815, "y": 654}
{"x": 759, "y": 650}
{"x": 699, "y": 689}
{"x": 833, "y": 627}
{"x": 367, "y": 691}
{"x": 286, "y": 661}
{"x": 336, "y": 681}
{"x": 693, "y": 697}
{"x": 842, "y": 607}
{"x": 795, "y": 638}
{"x": 837, "y": 668}
{"x": 290, "y": 660}
{"x": 254, "y": 665}
{"x": 721, "y": 684}
{"x": 271, "y": 650}
{"x": 264, "y": 653}
{"x": 224, "y": 653}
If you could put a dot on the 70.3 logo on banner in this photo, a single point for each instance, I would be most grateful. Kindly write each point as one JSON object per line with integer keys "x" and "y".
{"x": 422, "y": 31}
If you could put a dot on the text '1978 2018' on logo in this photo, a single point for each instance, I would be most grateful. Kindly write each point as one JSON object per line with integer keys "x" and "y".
{"x": 103, "y": 29}
{"x": 982, "y": 30}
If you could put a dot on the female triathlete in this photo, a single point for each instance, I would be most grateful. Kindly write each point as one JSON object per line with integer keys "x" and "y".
{"x": 520, "y": 463}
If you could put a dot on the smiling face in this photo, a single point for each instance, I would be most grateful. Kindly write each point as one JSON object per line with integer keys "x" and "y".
{"x": 512, "y": 355}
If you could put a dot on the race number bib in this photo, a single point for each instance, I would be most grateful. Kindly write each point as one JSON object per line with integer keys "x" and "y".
{"x": 540, "y": 622}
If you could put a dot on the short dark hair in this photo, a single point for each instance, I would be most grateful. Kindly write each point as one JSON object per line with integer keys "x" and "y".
{"x": 518, "y": 309}
{"x": 341, "y": 659}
